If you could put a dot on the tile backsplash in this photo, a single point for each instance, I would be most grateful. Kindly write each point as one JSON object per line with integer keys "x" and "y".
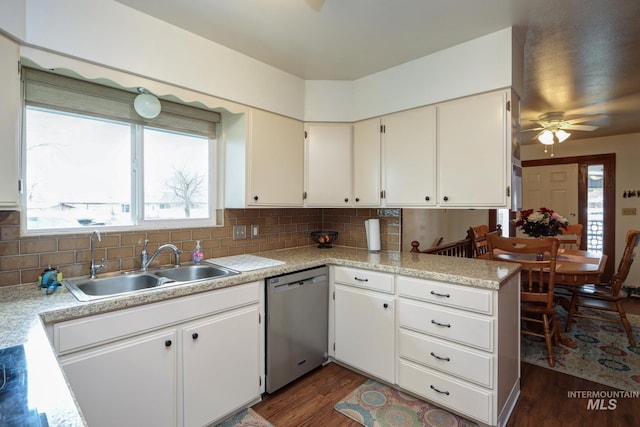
{"x": 22, "y": 259}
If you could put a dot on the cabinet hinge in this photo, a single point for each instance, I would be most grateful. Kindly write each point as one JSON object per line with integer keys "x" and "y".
{"x": 260, "y": 381}
{"x": 20, "y": 186}
{"x": 383, "y": 128}
{"x": 383, "y": 194}
{"x": 304, "y": 195}
{"x": 334, "y": 295}
{"x": 508, "y": 191}
{"x": 334, "y": 346}
{"x": 508, "y": 105}
{"x": 259, "y": 318}
{"x": 305, "y": 134}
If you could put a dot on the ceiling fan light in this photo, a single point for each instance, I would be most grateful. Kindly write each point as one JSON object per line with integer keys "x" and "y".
{"x": 546, "y": 137}
{"x": 562, "y": 135}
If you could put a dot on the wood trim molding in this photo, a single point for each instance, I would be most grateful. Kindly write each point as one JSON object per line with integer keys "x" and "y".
{"x": 609, "y": 193}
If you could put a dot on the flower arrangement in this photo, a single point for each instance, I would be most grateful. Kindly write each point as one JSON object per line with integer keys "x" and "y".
{"x": 541, "y": 223}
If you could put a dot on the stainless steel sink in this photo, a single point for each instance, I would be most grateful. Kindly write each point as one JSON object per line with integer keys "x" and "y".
{"x": 192, "y": 272}
{"x": 110, "y": 284}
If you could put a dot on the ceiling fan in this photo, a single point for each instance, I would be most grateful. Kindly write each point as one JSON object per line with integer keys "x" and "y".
{"x": 553, "y": 127}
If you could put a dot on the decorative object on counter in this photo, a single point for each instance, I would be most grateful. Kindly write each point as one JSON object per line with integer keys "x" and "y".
{"x": 197, "y": 255}
{"x": 375, "y": 404}
{"x": 541, "y": 223}
{"x": 146, "y": 104}
{"x": 324, "y": 238}
{"x": 50, "y": 279}
{"x": 372, "y": 228}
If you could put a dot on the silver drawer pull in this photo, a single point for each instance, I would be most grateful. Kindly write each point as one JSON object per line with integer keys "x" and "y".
{"x": 448, "y": 325}
{"x": 440, "y": 295}
{"x": 439, "y": 391}
{"x": 446, "y": 359}
{"x": 361, "y": 280}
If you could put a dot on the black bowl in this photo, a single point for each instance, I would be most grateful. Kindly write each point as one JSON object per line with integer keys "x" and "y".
{"x": 324, "y": 238}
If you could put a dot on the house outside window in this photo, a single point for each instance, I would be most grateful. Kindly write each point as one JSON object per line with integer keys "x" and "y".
{"x": 90, "y": 161}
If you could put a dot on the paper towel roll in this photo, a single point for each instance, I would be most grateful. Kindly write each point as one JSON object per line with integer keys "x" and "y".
{"x": 372, "y": 227}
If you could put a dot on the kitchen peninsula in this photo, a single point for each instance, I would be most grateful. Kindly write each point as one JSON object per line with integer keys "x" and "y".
{"x": 25, "y": 309}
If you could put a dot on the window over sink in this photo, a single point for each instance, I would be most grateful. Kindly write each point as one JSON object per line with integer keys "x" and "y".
{"x": 90, "y": 161}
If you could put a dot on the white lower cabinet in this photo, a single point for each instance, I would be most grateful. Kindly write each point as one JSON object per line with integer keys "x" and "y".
{"x": 364, "y": 321}
{"x": 183, "y": 362}
{"x": 459, "y": 346}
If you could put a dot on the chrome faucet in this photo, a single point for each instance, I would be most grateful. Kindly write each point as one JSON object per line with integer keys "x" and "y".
{"x": 145, "y": 260}
{"x": 93, "y": 267}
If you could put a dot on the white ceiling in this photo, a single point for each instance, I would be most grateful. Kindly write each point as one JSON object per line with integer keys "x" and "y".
{"x": 581, "y": 56}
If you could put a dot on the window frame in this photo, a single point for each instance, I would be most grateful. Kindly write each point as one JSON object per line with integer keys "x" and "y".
{"x": 136, "y": 145}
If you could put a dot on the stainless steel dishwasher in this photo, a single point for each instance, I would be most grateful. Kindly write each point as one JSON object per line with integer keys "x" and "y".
{"x": 297, "y": 311}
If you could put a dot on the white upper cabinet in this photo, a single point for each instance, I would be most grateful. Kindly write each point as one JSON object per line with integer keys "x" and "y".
{"x": 9, "y": 113}
{"x": 276, "y": 160}
{"x": 409, "y": 157}
{"x": 328, "y": 164}
{"x": 474, "y": 143}
{"x": 367, "y": 165}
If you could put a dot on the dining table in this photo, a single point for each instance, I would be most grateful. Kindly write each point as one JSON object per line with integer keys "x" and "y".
{"x": 574, "y": 268}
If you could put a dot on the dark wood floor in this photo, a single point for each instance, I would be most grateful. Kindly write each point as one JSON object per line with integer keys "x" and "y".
{"x": 543, "y": 399}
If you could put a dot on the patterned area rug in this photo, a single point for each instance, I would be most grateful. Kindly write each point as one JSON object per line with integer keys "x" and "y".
{"x": 245, "y": 418}
{"x": 376, "y": 405}
{"x": 603, "y": 355}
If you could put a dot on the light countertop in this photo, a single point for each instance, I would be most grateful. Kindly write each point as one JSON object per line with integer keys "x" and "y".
{"x": 24, "y": 309}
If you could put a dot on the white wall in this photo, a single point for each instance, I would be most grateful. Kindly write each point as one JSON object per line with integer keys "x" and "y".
{"x": 627, "y": 150}
{"x": 425, "y": 225}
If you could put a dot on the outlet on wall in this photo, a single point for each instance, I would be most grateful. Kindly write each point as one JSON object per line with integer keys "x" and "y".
{"x": 239, "y": 232}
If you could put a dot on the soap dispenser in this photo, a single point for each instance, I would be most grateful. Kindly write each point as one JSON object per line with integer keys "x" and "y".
{"x": 197, "y": 255}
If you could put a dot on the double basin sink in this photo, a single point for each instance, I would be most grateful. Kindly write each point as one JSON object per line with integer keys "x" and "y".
{"x": 111, "y": 284}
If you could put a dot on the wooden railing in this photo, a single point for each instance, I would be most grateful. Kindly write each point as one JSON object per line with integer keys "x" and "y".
{"x": 465, "y": 248}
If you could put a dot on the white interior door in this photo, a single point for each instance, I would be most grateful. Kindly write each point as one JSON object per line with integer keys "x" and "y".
{"x": 554, "y": 187}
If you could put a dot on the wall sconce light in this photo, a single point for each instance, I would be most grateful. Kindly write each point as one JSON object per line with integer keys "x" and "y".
{"x": 146, "y": 104}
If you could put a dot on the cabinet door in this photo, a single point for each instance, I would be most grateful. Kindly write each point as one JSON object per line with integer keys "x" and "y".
{"x": 276, "y": 159}
{"x": 9, "y": 106}
{"x": 131, "y": 383}
{"x": 409, "y": 157}
{"x": 472, "y": 149}
{"x": 221, "y": 365}
{"x": 328, "y": 164}
{"x": 364, "y": 331}
{"x": 366, "y": 163}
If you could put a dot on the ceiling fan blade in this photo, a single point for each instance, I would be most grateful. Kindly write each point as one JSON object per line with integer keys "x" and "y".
{"x": 580, "y": 127}
{"x": 585, "y": 119}
{"x": 532, "y": 129}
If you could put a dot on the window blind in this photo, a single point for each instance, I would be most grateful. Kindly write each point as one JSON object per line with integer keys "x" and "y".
{"x": 52, "y": 91}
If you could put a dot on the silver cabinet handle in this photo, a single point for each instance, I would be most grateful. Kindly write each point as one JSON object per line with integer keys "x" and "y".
{"x": 439, "y": 391}
{"x": 446, "y": 359}
{"x": 440, "y": 295}
{"x": 447, "y": 325}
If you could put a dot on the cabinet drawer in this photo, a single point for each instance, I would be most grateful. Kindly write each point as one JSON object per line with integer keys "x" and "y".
{"x": 464, "y": 297}
{"x": 453, "y": 325}
{"x": 464, "y": 363}
{"x": 381, "y": 282}
{"x": 464, "y": 398}
{"x": 93, "y": 330}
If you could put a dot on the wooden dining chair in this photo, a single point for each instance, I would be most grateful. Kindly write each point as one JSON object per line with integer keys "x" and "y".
{"x": 572, "y": 229}
{"x": 537, "y": 277}
{"x": 478, "y": 235}
{"x": 607, "y": 296}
